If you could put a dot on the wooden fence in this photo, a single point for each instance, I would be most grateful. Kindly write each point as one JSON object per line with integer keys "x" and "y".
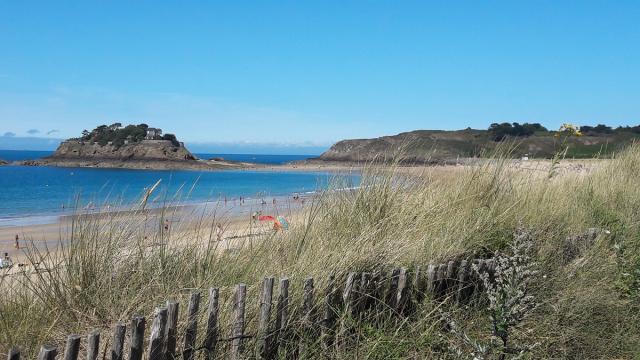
{"x": 365, "y": 296}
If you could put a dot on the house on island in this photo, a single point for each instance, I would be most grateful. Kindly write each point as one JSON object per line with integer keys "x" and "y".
{"x": 153, "y": 133}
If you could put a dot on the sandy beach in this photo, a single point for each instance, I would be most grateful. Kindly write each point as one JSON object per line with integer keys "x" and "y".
{"x": 226, "y": 224}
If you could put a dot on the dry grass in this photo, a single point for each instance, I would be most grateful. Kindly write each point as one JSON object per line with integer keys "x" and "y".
{"x": 589, "y": 308}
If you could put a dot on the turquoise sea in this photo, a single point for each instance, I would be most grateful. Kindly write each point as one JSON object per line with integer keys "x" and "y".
{"x": 39, "y": 194}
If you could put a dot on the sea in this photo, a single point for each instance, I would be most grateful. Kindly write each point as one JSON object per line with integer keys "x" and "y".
{"x": 39, "y": 194}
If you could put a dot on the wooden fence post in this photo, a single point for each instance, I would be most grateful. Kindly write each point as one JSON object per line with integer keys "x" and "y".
{"x": 348, "y": 294}
{"x": 307, "y": 316}
{"x": 14, "y": 354}
{"x": 329, "y": 316}
{"x": 462, "y": 281}
{"x": 137, "y": 337}
{"x": 262, "y": 335}
{"x": 72, "y": 348}
{"x": 441, "y": 280}
{"x": 282, "y": 316}
{"x": 191, "y": 330}
{"x": 402, "y": 297}
{"x": 158, "y": 329}
{"x": 93, "y": 345}
{"x": 237, "y": 331}
{"x": 307, "y": 300}
{"x": 171, "y": 335}
{"x": 117, "y": 345}
{"x": 431, "y": 280}
{"x": 211, "y": 336}
{"x": 47, "y": 352}
{"x": 392, "y": 292}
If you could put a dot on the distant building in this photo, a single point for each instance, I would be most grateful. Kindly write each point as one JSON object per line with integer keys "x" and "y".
{"x": 153, "y": 133}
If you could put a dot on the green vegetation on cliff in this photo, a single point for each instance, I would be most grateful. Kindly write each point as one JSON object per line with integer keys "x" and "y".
{"x": 532, "y": 140}
{"x": 118, "y": 135}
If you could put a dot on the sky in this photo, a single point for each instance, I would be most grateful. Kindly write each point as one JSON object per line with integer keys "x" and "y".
{"x": 300, "y": 75}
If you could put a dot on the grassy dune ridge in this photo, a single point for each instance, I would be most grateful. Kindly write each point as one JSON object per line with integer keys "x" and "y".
{"x": 588, "y": 307}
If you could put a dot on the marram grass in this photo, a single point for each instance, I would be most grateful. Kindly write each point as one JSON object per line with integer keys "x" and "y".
{"x": 587, "y": 308}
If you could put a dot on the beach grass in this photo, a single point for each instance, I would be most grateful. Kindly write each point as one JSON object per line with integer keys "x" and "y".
{"x": 587, "y": 306}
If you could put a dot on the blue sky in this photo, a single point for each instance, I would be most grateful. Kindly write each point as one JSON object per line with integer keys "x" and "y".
{"x": 307, "y": 73}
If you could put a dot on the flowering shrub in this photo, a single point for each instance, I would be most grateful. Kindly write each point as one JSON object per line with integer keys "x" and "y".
{"x": 507, "y": 291}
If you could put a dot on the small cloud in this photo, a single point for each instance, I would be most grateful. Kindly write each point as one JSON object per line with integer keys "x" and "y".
{"x": 52, "y": 131}
{"x": 33, "y": 131}
{"x": 9, "y": 134}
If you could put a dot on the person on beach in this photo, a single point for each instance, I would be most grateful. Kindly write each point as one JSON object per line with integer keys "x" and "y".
{"x": 17, "y": 245}
{"x": 166, "y": 224}
{"x": 274, "y": 201}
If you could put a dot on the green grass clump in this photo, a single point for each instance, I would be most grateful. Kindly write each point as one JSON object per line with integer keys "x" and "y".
{"x": 588, "y": 307}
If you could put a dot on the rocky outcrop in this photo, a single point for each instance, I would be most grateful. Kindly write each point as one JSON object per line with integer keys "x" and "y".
{"x": 3, "y": 162}
{"x": 156, "y": 150}
{"x": 145, "y": 154}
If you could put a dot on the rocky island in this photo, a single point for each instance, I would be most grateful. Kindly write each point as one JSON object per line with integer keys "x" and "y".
{"x": 132, "y": 147}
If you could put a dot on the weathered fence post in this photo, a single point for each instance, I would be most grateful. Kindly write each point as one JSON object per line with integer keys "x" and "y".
{"x": 282, "y": 316}
{"x": 392, "y": 292}
{"x": 441, "y": 280}
{"x": 402, "y": 298}
{"x": 237, "y": 331}
{"x": 14, "y": 354}
{"x": 348, "y": 294}
{"x": 72, "y": 348}
{"x": 117, "y": 345}
{"x": 307, "y": 301}
{"x": 158, "y": 329}
{"x": 365, "y": 292}
{"x": 431, "y": 280}
{"x": 47, "y": 352}
{"x": 329, "y": 316}
{"x": 262, "y": 335}
{"x": 137, "y": 338}
{"x": 93, "y": 345}
{"x": 211, "y": 336}
{"x": 462, "y": 281}
{"x": 171, "y": 335}
{"x": 307, "y": 316}
{"x": 191, "y": 330}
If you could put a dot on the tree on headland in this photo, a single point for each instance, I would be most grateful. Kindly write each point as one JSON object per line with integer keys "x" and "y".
{"x": 172, "y": 138}
{"x": 501, "y": 131}
{"x": 118, "y": 135}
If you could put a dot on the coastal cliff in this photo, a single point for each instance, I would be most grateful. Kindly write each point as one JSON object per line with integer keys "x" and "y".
{"x": 438, "y": 146}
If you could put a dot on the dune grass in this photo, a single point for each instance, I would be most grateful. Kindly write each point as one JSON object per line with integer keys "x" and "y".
{"x": 588, "y": 307}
